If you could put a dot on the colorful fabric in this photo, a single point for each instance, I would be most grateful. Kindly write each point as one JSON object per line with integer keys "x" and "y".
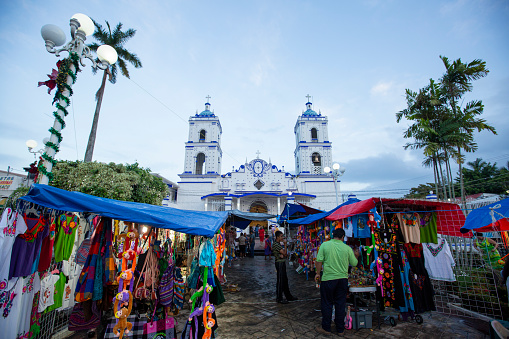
{"x": 360, "y": 226}
{"x": 58, "y": 293}
{"x": 47, "y": 248}
{"x": 67, "y": 225}
{"x": 429, "y": 228}
{"x": 11, "y": 224}
{"x": 410, "y": 226}
{"x": 136, "y": 331}
{"x": 27, "y": 247}
{"x": 85, "y": 286}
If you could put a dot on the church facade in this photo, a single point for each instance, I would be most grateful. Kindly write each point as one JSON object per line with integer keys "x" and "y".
{"x": 257, "y": 185}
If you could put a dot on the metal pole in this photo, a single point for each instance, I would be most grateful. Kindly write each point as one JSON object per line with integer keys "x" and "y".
{"x": 335, "y": 189}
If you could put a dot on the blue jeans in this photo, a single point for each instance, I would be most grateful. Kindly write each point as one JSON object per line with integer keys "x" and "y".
{"x": 251, "y": 249}
{"x": 333, "y": 293}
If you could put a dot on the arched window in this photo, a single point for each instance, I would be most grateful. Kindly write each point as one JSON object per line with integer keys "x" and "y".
{"x": 200, "y": 162}
{"x": 203, "y": 133}
{"x": 314, "y": 134}
{"x": 316, "y": 159}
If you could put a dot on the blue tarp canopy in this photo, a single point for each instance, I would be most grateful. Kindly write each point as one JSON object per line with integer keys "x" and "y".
{"x": 492, "y": 217}
{"x": 243, "y": 219}
{"x": 314, "y": 217}
{"x": 291, "y": 209}
{"x": 184, "y": 221}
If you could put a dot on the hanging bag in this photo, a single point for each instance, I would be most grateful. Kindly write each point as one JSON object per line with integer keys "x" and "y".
{"x": 150, "y": 273}
{"x": 166, "y": 287}
{"x": 160, "y": 329}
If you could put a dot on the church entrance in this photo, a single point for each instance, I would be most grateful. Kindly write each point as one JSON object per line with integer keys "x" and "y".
{"x": 259, "y": 206}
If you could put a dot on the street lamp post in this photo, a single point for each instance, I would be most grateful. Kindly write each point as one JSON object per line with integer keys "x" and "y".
{"x": 335, "y": 173}
{"x": 81, "y": 27}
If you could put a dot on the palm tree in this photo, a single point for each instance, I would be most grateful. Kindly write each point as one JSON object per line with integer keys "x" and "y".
{"x": 115, "y": 39}
{"x": 456, "y": 81}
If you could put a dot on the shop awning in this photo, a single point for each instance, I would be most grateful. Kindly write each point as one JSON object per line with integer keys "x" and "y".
{"x": 315, "y": 217}
{"x": 450, "y": 217}
{"x": 241, "y": 219}
{"x": 346, "y": 211}
{"x": 184, "y": 221}
{"x": 489, "y": 218}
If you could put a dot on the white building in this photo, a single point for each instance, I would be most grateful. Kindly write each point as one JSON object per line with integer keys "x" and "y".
{"x": 257, "y": 185}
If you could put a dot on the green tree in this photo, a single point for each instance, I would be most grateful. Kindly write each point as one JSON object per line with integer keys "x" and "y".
{"x": 114, "y": 181}
{"x": 483, "y": 177}
{"x": 456, "y": 81}
{"x": 420, "y": 192}
{"x": 115, "y": 39}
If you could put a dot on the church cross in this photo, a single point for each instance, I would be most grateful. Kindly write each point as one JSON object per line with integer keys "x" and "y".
{"x": 258, "y": 154}
{"x": 208, "y": 98}
{"x": 308, "y": 96}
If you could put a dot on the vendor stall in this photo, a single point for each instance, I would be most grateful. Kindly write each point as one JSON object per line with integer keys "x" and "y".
{"x": 72, "y": 256}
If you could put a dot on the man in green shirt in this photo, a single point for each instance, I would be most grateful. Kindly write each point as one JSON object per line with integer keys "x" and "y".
{"x": 335, "y": 256}
{"x": 280, "y": 254}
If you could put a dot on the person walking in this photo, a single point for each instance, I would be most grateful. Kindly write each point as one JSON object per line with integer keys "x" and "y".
{"x": 334, "y": 256}
{"x": 280, "y": 254}
{"x": 242, "y": 245}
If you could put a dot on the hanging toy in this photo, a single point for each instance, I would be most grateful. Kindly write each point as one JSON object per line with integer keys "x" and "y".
{"x": 123, "y": 326}
{"x": 208, "y": 321}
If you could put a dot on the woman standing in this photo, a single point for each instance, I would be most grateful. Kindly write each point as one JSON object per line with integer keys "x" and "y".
{"x": 261, "y": 233}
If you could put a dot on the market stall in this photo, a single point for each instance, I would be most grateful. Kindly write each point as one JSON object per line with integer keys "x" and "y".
{"x": 69, "y": 253}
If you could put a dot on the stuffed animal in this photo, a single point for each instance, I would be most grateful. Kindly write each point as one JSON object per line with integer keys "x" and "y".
{"x": 123, "y": 326}
{"x": 208, "y": 321}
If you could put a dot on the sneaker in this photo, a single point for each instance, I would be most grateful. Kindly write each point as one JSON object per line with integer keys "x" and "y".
{"x": 282, "y": 301}
{"x": 292, "y": 299}
{"x": 320, "y": 330}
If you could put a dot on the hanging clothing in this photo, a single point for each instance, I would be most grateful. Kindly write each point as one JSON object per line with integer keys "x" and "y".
{"x": 27, "y": 247}
{"x": 11, "y": 224}
{"x": 72, "y": 271}
{"x": 47, "y": 248}
{"x": 391, "y": 287}
{"x": 429, "y": 228}
{"x": 16, "y": 304}
{"x": 409, "y": 225}
{"x": 67, "y": 225}
{"x": 420, "y": 284}
{"x": 46, "y": 298}
{"x": 439, "y": 261}
{"x": 409, "y": 301}
{"x": 58, "y": 293}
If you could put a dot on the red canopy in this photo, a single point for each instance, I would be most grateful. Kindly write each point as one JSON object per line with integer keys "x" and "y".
{"x": 352, "y": 209}
{"x": 450, "y": 217}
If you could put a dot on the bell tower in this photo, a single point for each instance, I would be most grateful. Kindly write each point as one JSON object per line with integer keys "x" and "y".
{"x": 313, "y": 150}
{"x": 203, "y": 148}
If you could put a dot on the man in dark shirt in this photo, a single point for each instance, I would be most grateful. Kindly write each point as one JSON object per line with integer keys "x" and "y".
{"x": 280, "y": 254}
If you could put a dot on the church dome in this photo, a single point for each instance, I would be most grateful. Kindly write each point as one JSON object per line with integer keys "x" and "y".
{"x": 309, "y": 112}
{"x": 207, "y": 112}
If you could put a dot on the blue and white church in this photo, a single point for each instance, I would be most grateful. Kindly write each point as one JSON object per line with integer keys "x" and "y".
{"x": 257, "y": 185}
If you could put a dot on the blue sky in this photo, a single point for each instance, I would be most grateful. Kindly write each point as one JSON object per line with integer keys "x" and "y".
{"x": 257, "y": 60}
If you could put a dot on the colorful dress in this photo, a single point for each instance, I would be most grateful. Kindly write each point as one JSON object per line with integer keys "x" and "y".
{"x": 27, "y": 247}
{"x": 429, "y": 228}
{"x": 66, "y": 234}
{"x": 410, "y": 226}
{"x": 420, "y": 284}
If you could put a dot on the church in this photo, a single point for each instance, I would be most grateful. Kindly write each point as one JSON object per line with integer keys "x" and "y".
{"x": 257, "y": 185}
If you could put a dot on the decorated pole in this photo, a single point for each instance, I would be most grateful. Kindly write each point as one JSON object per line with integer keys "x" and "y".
{"x": 81, "y": 27}
{"x": 67, "y": 70}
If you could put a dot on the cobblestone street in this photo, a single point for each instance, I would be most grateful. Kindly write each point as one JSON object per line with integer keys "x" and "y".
{"x": 253, "y": 312}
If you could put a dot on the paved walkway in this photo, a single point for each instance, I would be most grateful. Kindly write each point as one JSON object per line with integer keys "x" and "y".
{"x": 253, "y": 313}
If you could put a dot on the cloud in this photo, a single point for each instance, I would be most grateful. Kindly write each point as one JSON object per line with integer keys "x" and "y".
{"x": 382, "y": 88}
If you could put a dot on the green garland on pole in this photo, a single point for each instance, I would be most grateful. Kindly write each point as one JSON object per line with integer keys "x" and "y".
{"x": 64, "y": 70}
